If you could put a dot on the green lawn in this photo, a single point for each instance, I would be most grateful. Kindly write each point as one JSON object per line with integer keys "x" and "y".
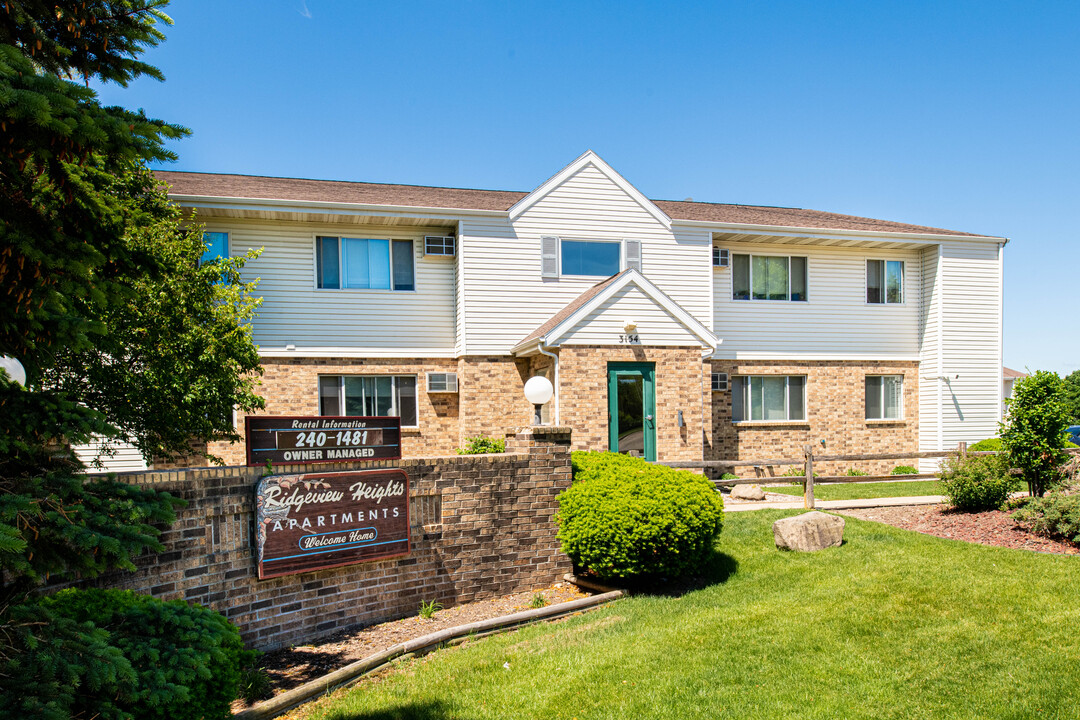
{"x": 857, "y": 491}
{"x": 892, "y": 624}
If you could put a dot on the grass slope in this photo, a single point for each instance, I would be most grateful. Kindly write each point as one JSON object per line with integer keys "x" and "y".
{"x": 892, "y": 624}
{"x": 859, "y": 491}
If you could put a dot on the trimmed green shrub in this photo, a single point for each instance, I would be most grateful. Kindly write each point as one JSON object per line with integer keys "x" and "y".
{"x": 179, "y": 661}
{"x": 904, "y": 470}
{"x": 1054, "y": 515}
{"x": 481, "y": 445}
{"x": 624, "y": 517}
{"x": 853, "y": 472}
{"x": 977, "y": 482}
{"x": 987, "y": 445}
{"x": 729, "y": 476}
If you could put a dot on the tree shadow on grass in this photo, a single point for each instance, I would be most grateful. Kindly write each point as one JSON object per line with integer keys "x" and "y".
{"x": 717, "y": 569}
{"x": 428, "y": 710}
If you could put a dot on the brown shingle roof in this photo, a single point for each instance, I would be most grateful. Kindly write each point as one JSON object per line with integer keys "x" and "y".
{"x": 1009, "y": 373}
{"x": 299, "y": 189}
{"x": 570, "y": 309}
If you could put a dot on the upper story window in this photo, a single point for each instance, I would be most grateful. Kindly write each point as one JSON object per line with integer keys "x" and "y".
{"x": 768, "y": 397}
{"x": 884, "y": 281}
{"x": 768, "y": 277}
{"x": 884, "y": 397}
{"x": 597, "y": 258}
{"x": 364, "y": 263}
{"x": 369, "y": 395}
{"x": 217, "y": 246}
{"x": 591, "y": 257}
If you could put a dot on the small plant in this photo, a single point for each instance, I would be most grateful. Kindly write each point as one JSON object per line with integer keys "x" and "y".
{"x": 852, "y": 472}
{"x": 988, "y": 445}
{"x": 904, "y": 470}
{"x": 254, "y": 684}
{"x": 428, "y": 608}
{"x": 977, "y": 482}
{"x": 538, "y": 601}
{"x": 1053, "y": 515}
{"x": 729, "y": 476}
{"x": 481, "y": 445}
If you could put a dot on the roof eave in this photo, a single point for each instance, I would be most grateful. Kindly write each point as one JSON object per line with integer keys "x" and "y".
{"x": 319, "y": 206}
{"x": 830, "y": 233}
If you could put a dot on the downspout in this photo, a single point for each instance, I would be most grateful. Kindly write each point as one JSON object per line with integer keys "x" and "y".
{"x": 555, "y": 379}
{"x": 706, "y": 422}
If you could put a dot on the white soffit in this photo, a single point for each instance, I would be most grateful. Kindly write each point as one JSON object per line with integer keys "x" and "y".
{"x": 589, "y": 158}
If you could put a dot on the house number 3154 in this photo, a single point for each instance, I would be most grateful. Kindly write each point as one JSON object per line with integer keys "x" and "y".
{"x": 630, "y": 339}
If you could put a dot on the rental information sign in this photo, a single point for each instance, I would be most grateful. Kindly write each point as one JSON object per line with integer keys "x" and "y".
{"x": 316, "y": 521}
{"x": 321, "y": 439}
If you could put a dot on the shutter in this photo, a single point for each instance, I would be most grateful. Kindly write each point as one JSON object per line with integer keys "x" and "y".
{"x": 549, "y": 256}
{"x": 633, "y": 254}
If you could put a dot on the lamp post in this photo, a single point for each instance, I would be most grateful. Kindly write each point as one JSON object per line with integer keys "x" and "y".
{"x": 538, "y": 391}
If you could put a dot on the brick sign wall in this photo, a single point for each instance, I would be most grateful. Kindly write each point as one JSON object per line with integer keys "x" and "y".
{"x": 481, "y": 526}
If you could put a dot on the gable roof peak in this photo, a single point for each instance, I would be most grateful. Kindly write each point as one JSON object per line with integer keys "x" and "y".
{"x": 589, "y": 158}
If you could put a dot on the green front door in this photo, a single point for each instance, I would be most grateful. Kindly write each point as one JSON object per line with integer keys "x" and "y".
{"x": 632, "y": 409}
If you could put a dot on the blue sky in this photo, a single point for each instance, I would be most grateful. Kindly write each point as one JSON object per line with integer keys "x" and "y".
{"x": 962, "y": 115}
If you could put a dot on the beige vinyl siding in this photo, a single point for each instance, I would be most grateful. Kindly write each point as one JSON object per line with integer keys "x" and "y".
{"x": 124, "y": 458}
{"x": 971, "y": 341}
{"x": 930, "y": 356}
{"x": 835, "y": 321}
{"x": 294, "y": 312}
{"x": 605, "y": 325}
{"x": 505, "y": 296}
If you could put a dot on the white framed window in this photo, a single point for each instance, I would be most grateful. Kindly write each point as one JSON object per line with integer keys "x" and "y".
{"x": 343, "y": 263}
{"x": 370, "y": 396}
{"x": 884, "y": 397}
{"x": 719, "y": 382}
{"x": 721, "y": 257}
{"x": 768, "y": 277}
{"x": 768, "y": 397}
{"x": 587, "y": 257}
{"x": 217, "y": 246}
{"x": 884, "y": 281}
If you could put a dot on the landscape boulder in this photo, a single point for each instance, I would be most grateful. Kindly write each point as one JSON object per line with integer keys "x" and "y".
{"x": 747, "y": 492}
{"x": 808, "y": 532}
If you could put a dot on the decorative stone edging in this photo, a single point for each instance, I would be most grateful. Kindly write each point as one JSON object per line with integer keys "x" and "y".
{"x": 351, "y": 673}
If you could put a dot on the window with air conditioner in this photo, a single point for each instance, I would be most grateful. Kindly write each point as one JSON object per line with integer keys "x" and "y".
{"x": 440, "y": 245}
{"x": 442, "y": 382}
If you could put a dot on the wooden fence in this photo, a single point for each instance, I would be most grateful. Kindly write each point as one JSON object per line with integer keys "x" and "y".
{"x": 807, "y": 461}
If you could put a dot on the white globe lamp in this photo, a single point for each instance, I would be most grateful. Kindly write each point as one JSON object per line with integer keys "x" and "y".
{"x": 538, "y": 391}
{"x": 13, "y": 368}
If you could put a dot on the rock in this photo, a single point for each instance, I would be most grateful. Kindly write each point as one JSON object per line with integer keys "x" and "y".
{"x": 808, "y": 532}
{"x": 747, "y": 492}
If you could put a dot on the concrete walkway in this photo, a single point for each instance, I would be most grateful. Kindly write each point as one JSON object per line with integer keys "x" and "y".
{"x": 796, "y": 503}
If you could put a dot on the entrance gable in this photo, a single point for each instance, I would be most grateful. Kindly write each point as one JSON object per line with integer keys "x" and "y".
{"x": 625, "y": 309}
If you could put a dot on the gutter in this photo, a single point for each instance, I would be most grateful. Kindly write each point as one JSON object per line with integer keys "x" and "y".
{"x": 555, "y": 382}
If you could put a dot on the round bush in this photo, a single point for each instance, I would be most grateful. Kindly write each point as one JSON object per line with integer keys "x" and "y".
{"x": 977, "y": 482}
{"x": 988, "y": 445}
{"x": 624, "y": 517}
{"x": 185, "y": 660}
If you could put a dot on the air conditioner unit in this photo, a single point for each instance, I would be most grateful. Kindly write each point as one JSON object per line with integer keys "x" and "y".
{"x": 720, "y": 257}
{"x": 719, "y": 382}
{"x": 442, "y": 382}
{"x": 440, "y": 245}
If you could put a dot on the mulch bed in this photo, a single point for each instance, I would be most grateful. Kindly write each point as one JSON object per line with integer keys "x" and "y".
{"x": 293, "y": 666}
{"x": 993, "y": 527}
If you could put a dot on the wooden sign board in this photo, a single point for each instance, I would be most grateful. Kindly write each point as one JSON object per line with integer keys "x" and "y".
{"x": 321, "y": 439}
{"x": 316, "y": 521}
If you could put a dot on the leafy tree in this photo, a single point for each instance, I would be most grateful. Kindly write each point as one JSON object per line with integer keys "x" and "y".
{"x": 1033, "y": 433}
{"x": 121, "y": 331}
{"x": 1071, "y": 384}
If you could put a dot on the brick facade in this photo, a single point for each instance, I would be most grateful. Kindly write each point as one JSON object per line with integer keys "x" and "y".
{"x": 835, "y": 410}
{"x": 490, "y": 397}
{"x": 482, "y": 527}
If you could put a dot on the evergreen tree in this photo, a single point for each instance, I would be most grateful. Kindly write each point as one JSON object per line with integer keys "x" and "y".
{"x": 121, "y": 331}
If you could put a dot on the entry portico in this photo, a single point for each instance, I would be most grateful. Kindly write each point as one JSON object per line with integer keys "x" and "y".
{"x": 627, "y": 365}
